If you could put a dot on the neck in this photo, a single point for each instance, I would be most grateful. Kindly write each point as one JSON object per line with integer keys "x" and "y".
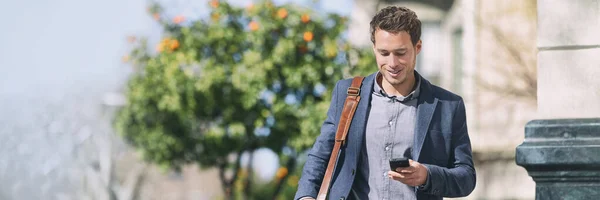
{"x": 403, "y": 88}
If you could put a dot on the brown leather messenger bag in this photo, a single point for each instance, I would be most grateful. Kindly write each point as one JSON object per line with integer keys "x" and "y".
{"x": 342, "y": 132}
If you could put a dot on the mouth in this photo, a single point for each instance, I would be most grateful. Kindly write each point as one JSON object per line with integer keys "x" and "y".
{"x": 395, "y": 73}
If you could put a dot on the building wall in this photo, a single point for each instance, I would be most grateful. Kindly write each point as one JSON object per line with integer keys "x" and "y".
{"x": 504, "y": 51}
{"x": 568, "y": 59}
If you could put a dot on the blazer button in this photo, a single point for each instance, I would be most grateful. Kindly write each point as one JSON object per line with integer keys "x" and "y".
{"x": 353, "y": 171}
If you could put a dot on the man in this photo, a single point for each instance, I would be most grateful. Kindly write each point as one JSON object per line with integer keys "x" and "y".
{"x": 400, "y": 115}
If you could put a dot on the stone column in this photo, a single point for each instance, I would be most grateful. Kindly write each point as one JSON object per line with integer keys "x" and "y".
{"x": 561, "y": 151}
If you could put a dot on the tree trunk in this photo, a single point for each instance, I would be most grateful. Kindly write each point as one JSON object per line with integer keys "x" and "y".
{"x": 291, "y": 165}
{"x": 248, "y": 182}
{"x": 228, "y": 184}
{"x": 224, "y": 182}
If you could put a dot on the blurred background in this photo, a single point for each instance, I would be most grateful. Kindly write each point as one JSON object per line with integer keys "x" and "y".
{"x": 123, "y": 100}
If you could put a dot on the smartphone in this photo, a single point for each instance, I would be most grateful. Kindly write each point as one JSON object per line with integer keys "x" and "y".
{"x": 398, "y": 162}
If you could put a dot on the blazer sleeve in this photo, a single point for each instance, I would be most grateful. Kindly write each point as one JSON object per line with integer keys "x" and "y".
{"x": 459, "y": 179}
{"x": 318, "y": 156}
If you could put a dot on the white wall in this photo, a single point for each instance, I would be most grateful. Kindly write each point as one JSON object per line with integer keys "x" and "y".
{"x": 569, "y": 58}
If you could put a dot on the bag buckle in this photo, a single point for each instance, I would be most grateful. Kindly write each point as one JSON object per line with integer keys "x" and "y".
{"x": 353, "y": 91}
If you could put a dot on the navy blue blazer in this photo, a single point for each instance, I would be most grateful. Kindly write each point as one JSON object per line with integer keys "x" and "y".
{"x": 441, "y": 143}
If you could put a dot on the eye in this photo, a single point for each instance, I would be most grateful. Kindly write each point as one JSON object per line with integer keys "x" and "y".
{"x": 385, "y": 54}
{"x": 400, "y": 54}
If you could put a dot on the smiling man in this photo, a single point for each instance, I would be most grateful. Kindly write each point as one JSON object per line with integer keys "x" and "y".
{"x": 400, "y": 115}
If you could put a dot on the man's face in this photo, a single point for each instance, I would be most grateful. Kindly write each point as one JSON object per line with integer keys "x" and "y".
{"x": 395, "y": 55}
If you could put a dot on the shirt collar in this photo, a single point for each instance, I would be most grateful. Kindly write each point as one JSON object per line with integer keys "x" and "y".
{"x": 377, "y": 90}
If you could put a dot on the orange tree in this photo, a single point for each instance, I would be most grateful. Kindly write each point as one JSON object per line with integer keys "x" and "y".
{"x": 243, "y": 79}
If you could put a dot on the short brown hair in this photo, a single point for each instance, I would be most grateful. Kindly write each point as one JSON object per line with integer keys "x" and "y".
{"x": 395, "y": 19}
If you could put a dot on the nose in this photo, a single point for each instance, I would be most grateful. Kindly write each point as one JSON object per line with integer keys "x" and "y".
{"x": 393, "y": 61}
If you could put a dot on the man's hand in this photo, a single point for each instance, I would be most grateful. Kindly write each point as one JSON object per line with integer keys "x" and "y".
{"x": 413, "y": 175}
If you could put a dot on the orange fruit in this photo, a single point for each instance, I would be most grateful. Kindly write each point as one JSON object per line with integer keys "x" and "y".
{"x": 174, "y": 44}
{"x": 178, "y": 19}
{"x": 308, "y": 36}
{"x": 215, "y": 16}
{"x": 214, "y": 3}
{"x": 253, "y": 26}
{"x": 282, "y": 13}
{"x": 305, "y": 18}
{"x": 281, "y": 172}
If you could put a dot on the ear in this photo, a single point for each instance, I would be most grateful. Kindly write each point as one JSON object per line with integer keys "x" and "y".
{"x": 418, "y": 47}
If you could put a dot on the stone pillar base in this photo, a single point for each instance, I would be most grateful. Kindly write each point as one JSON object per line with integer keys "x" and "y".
{"x": 563, "y": 158}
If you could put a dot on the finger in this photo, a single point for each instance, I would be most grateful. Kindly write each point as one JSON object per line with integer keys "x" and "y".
{"x": 407, "y": 181}
{"x": 400, "y": 176}
{"x": 406, "y": 170}
{"x": 409, "y": 176}
{"x": 395, "y": 174}
{"x": 413, "y": 163}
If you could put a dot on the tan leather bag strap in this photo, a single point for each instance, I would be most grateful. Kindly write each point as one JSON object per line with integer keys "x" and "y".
{"x": 342, "y": 132}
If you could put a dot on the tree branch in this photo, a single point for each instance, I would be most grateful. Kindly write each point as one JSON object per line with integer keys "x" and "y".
{"x": 520, "y": 80}
{"x": 132, "y": 183}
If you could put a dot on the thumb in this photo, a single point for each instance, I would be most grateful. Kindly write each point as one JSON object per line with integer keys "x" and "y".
{"x": 413, "y": 163}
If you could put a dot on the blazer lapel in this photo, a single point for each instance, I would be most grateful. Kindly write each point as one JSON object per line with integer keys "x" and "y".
{"x": 425, "y": 110}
